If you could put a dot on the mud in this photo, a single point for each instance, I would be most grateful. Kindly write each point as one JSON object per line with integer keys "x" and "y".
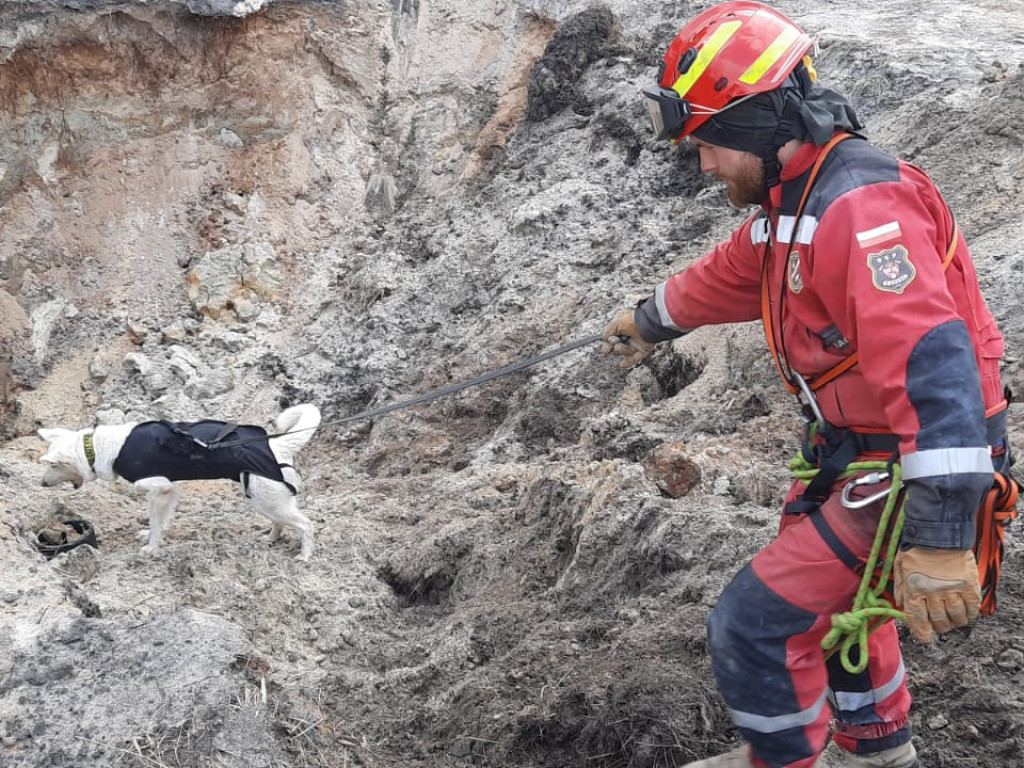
{"x": 353, "y": 204}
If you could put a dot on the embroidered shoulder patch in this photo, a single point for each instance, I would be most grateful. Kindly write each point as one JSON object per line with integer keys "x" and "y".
{"x": 891, "y": 269}
{"x": 872, "y": 237}
{"x": 796, "y": 279}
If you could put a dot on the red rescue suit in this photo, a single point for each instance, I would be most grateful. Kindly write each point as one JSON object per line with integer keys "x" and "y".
{"x": 860, "y": 270}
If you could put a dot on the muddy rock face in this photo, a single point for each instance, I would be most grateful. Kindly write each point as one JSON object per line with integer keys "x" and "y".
{"x": 220, "y": 209}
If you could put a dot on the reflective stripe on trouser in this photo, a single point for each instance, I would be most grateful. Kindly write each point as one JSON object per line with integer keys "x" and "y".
{"x": 765, "y": 642}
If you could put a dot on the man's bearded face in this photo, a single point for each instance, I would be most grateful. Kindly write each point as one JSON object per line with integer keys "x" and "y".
{"x": 742, "y": 172}
{"x": 746, "y": 187}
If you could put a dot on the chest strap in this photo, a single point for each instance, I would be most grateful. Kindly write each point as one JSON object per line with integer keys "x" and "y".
{"x": 816, "y": 382}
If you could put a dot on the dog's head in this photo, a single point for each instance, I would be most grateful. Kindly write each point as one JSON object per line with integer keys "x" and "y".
{"x": 66, "y": 457}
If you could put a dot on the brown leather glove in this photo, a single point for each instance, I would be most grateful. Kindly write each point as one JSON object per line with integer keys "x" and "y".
{"x": 937, "y": 588}
{"x": 622, "y": 338}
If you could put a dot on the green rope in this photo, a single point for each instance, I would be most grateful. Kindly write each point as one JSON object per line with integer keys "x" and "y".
{"x": 870, "y": 610}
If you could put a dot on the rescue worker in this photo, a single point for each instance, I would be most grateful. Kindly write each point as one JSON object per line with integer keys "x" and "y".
{"x": 871, "y": 305}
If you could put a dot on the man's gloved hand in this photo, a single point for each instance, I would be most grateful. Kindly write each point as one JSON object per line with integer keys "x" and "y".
{"x": 937, "y": 588}
{"x": 622, "y": 338}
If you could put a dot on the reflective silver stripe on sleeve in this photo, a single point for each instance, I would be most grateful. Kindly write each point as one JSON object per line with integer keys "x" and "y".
{"x": 851, "y": 701}
{"x": 760, "y": 230}
{"x": 764, "y": 724}
{"x": 663, "y": 315}
{"x": 804, "y": 232}
{"x": 946, "y": 461}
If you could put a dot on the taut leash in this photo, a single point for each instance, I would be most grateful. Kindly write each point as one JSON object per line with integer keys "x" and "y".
{"x": 432, "y": 394}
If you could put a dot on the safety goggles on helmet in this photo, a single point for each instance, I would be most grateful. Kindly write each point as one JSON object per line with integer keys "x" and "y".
{"x": 669, "y": 111}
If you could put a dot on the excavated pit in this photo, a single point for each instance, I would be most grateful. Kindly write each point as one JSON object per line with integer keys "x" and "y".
{"x": 353, "y": 204}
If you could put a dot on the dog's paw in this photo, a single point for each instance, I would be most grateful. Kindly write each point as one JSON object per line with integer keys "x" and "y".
{"x": 143, "y": 535}
{"x": 149, "y": 549}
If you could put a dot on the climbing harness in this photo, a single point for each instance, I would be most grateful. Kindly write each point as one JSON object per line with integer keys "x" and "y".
{"x": 820, "y": 465}
{"x": 829, "y": 454}
{"x": 424, "y": 398}
{"x": 873, "y": 603}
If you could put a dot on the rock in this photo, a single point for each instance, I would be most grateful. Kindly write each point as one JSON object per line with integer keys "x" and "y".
{"x": 672, "y": 470}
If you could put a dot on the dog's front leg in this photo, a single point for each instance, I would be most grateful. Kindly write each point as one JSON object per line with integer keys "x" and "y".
{"x": 275, "y": 533}
{"x": 162, "y": 497}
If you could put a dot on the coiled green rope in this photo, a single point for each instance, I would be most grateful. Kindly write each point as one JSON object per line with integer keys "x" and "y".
{"x": 870, "y": 610}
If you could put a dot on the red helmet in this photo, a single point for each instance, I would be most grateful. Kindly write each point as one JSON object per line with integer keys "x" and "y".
{"x": 731, "y": 51}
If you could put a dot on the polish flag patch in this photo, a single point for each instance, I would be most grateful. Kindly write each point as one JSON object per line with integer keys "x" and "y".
{"x": 879, "y": 235}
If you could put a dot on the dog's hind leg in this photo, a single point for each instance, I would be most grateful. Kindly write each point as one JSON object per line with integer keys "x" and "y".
{"x": 287, "y": 515}
{"x": 162, "y": 497}
{"x": 304, "y": 526}
{"x": 276, "y": 502}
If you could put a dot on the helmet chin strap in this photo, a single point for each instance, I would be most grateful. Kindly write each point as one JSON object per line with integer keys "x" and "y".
{"x": 783, "y": 134}
{"x": 761, "y": 126}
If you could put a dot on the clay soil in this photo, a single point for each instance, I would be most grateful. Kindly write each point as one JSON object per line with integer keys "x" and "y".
{"x": 217, "y": 216}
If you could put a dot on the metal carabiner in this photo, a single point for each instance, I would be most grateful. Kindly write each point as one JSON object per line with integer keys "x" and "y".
{"x": 824, "y": 427}
{"x": 873, "y": 478}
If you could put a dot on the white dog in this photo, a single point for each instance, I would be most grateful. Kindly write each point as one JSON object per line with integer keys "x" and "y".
{"x": 155, "y": 455}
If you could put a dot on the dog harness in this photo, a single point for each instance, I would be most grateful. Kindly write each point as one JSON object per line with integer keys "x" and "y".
{"x": 202, "y": 450}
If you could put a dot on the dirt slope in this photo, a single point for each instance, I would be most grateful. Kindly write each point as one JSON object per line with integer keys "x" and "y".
{"x": 221, "y": 209}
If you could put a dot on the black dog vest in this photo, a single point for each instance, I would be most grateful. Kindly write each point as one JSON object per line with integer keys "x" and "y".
{"x": 202, "y": 450}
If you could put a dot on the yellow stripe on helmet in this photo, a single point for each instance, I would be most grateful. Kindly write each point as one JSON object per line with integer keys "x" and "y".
{"x": 705, "y": 56}
{"x": 770, "y": 56}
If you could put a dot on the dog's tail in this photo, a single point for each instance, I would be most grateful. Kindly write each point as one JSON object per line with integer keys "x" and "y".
{"x": 297, "y": 425}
